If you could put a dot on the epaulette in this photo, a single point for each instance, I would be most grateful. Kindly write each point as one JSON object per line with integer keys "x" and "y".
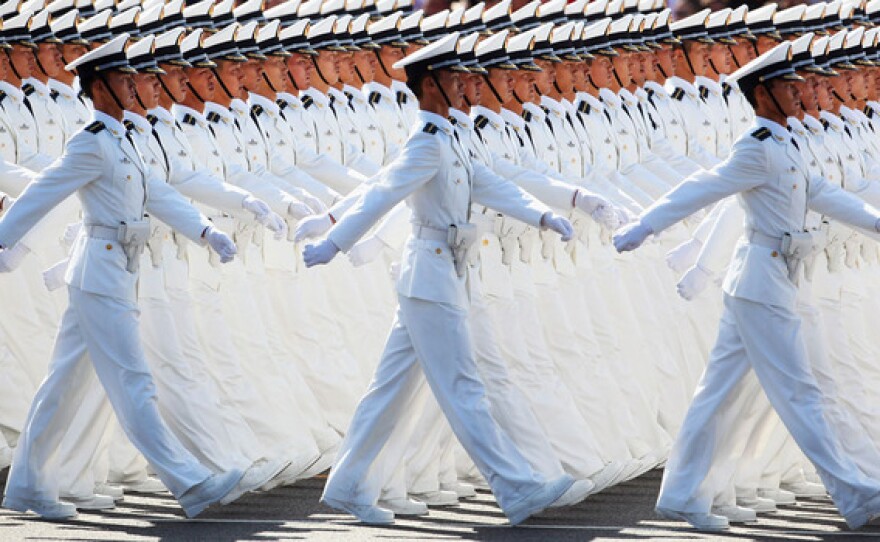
{"x": 726, "y": 89}
{"x": 430, "y": 128}
{"x": 704, "y": 92}
{"x": 869, "y": 111}
{"x": 213, "y": 116}
{"x": 256, "y": 110}
{"x": 28, "y": 89}
{"x": 584, "y": 108}
{"x": 481, "y": 121}
{"x": 152, "y": 118}
{"x": 375, "y": 97}
{"x": 527, "y": 116}
{"x": 191, "y": 120}
{"x": 282, "y": 104}
{"x": 825, "y": 123}
{"x": 54, "y": 94}
{"x": 401, "y": 97}
{"x": 452, "y": 120}
{"x": 307, "y": 101}
{"x": 761, "y": 134}
{"x": 678, "y": 94}
{"x": 95, "y": 127}
{"x": 129, "y": 125}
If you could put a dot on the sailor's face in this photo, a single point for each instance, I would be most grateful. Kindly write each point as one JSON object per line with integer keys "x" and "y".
{"x": 203, "y": 81}
{"x": 473, "y": 87}
{"x": 788, "y": 97}
{"x": 122, "y": 85}
{"x": 148, "y": 89}
{"x": 809, "y": 100}
{"x": 390, "y": 55}
{"x": 524, "y": 86}
{"x": 23, "y": 60}
{"x": 765, "y": 43}
{"x": 300, "y": 68}
{"x": 822, "y": 89}
{"x": 329, "y": 66}
{"x": 175, "y": 81}
{"x": 232, "y": 75}
{"x": 721, "y": 59}
{"x": 49, "y": 56}
{"x": 601, "y": 72}
{"x": 72, "y": 51}
{"x": 451, "y": 83}
{"x": 275, "y": 70}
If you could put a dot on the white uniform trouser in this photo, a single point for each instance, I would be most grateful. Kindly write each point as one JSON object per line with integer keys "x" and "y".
{"x": 16, "y": 392}
{"x": 102, "y": 330}
{"x": 430, "y": 342}
{"x": 768, "y": 339}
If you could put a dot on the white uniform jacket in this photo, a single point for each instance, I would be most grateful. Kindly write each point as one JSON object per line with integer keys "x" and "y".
{"x": 776, "y": 189}
{"x": 438, "y": 180}
{"x": 114, "y": 186}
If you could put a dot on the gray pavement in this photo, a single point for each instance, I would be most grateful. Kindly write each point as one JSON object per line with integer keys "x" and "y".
{"x": 624, "y": 512}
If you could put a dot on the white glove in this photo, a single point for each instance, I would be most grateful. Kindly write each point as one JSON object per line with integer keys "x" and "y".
{"x": 277, "y": 225}
{"x": 625, "y": 216}
{"x": 631, "y": 236}
{"x": 312, "y": 226}
{"x": 558, "y": 224}
{"x": 597, "y": 208}
{"x": 317, "y": 206}
{"x": 684, "y": 255}
{"x": 366, "y": 251}
{"x": 53, "y": 277}
{"x": 693, "y": 282}
{"x": 70, "y": 233}
{"x": 220, "y": 243}
{"x": 299, "y": 210}
{"x": 320, "y": 254}
{"x": 256, "y": 206}
{"x": 11, "y": 258}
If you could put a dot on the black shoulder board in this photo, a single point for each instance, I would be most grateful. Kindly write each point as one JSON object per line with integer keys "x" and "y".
{"x": 481, "y": 121}
{"x": 584, "y": 108}
{"x": 869, "y": 112}
{"x": 307, "y": 101}
{"x": 28, "y": 89}
{"x": 726, "y": 89}
{"x": 375, "y": 97}
{"x": 704, "y": 92}
{"x": 761, "y": 134}
{"x": 281, "y": 103}
{"x": 153, "y": 119}
{"x": 256, "y": 110}
{"x": 527, "y": 116}
{"x": 825, "y": 123}
{"x": 452, "y": 120}
{"x": 191, "y": 120}
{"x": 678, "y": 94}
{"x": 213, "y": 116}
{"x": 129, "y": 125}
{"x": 2, "y": 95}
{"x": 54, "y": 94}
{"x": 401, "y": 97}
{"x": 430, "y": 128}
{"x": 95, "y": 127}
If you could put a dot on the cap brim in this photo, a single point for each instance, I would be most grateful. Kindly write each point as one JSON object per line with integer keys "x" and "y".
{"x": 727, "y": 41}
{"x": 156, "y": 71}
{"x": 478, "y": 70}
{"x": 550, "y": 58}
{"x": 529, "y": 66}
{"x": 178, "y": 62}
{"x": 204, "y": 64}
{"x": 792, "y": 77}
{"x": 256, "y": 56}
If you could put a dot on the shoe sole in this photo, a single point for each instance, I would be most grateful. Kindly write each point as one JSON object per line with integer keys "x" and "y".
{"x": 24, "y": 507}
{"x": 194, "y": 510}
{"x": 339, "y": 505}
{"x": 678, "y": 516}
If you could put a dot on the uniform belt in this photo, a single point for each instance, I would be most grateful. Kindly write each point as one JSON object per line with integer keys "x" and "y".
{"x": 430, "y": 233}
{"x": 767, "y": 241}
{"x": 103, "y": 232}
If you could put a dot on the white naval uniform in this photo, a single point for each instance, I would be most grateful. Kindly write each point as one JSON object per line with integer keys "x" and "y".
{"x": 701, "y": 136}
{"x": 75, "y": 107}
{"x": 430, "y": 339}
{"x": 760, "y": 329}
{"x": 114, "y": 186}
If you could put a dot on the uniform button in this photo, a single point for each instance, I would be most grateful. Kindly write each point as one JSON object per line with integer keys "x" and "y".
{"x": 439, "y": 251}
{"x": 774, "y": 254}
{"x": 457, "y": 181}
{"x": 128, "y": 177}
{"x": 109, "y": 247}
{"x": 795, "y": 186}
{"x": 485, "y": 242}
